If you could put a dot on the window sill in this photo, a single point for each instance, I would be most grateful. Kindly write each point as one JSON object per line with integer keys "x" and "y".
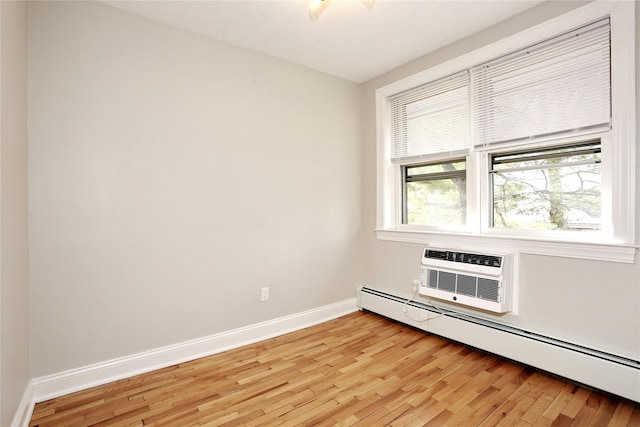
{"x": 610, "y": 252}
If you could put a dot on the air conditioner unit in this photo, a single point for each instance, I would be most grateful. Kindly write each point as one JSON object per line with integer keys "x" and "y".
{"x": 477, "y": 280}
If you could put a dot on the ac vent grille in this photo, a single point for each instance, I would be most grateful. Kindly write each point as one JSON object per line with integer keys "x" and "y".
{"x": 488, "y": 289}
{"x": 467, "y": 285}
{"x": 461, "y": 284}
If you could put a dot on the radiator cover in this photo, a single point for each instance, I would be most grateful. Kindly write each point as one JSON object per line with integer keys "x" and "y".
{"x": 605, "y": 371}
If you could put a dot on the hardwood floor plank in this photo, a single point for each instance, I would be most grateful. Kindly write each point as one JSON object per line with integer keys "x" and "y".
{"x": 621, "y": 416}
{"x": 359, "y": 370}
{"x": 442, "y": 419}
{"x": 561, "y": 421}
{"x": 605, "y": 412}
{"x": 635, "y": 417}
{"x": 577, "y": 402}
{"x": 560, "y": 402}
{"x": 499, "y": 413}
{"x": 538, "y": 407}
{"x": 385, "y": 419}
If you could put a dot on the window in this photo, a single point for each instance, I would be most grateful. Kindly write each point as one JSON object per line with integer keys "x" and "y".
{"x": 548, "y": 189}
{"x": 528, "y": 139}
{"x": 435, "y": 194}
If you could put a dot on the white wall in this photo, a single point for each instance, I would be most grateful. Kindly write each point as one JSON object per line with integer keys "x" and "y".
{"x": 596, "y": 304}
{"x": 14, "y": 322}
{"x": 173, "y": 176}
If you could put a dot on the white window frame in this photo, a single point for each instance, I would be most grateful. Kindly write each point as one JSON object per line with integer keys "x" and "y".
{"x": 619, "y": 166}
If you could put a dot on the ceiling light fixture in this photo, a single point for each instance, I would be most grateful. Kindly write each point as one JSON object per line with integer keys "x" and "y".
{"x": 317, "y": 6}
{"x": 314, "y": 5}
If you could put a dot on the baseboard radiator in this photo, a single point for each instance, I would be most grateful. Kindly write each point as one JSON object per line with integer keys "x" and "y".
{"x": 604, "y": 371}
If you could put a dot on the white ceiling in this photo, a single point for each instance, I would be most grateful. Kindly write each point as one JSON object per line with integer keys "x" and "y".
{"x": 353, "y": 39}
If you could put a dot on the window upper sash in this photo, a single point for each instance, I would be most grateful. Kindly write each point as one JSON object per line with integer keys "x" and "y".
{"x": 556, "y": 87}
{"x": 431, "y": 119}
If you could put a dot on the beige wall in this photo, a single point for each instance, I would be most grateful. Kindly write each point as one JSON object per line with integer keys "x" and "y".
{"x": 596, "y": 304}
{"x": 173, "y": 176}
{"x": 637, "y": 120}
{"x": 14, "y": 326}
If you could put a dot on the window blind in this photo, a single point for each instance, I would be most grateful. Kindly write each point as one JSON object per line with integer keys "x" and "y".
{"x": 558, "y": 86}
{"x": 431, "y": 119}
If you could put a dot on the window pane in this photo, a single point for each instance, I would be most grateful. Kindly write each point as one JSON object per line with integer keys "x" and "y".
{"x": 440, "y": 167}
{"x": 548, "y": 190}
{"x": 437, "y": 202}
{"x": 540, "y": 158}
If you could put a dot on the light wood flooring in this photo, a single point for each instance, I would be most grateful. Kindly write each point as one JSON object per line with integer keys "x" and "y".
{"x": 361, "y": 369}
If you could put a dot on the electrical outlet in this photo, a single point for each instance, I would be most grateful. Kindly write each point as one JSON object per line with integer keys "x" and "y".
{"x": 264, "y": 294}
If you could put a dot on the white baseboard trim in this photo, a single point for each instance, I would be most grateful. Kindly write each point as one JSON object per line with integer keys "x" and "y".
{"x": 25, "y": 408}
{"x": 59, "y": 384}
